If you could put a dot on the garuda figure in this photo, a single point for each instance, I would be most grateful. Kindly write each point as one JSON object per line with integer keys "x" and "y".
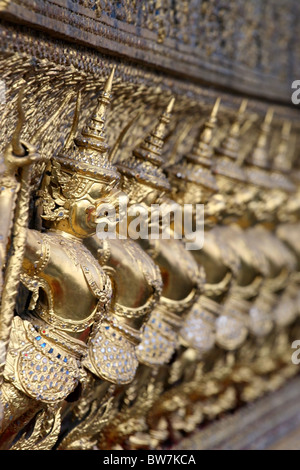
{"x": 70, "y": 292}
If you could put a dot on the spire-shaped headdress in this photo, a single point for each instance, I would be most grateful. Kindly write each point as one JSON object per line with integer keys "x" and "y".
{"x": 281, "y": 161}
{"x": 258, "y": 162}
{"x": 88, "y": 156}
{"x": 202, "y": 150}
{"x": 227, "y": 161}
{"x": 282, "y": 164}
{"x": 260, "y": 156}
{"x": 146, "y": 161}
{"x": 196, "y": 165}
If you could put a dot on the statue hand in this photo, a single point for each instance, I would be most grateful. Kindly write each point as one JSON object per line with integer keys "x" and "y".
{"x": 13, "y": 162}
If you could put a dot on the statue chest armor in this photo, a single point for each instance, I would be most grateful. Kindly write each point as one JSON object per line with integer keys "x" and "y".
{"x": 68, "y": 274}
{"x": 182, "y": 280}
{"x": 137, "y": 280}
{"x": 136, "y": 276}
{"x": 179, "y": 270}
{"x": 220, "y": 262}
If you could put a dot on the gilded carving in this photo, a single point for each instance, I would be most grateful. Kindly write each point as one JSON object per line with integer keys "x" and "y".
{"x": 128, "y": 343}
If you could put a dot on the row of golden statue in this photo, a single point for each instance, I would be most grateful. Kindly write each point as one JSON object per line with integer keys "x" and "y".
{"x": 133, "y": 344}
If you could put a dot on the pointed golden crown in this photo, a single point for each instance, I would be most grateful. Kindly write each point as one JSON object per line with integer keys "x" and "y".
{"x": 202, "y": 150}
{"x": 228, "y": 154}
{"x": 89, "y": 154}
{"x": 145, "y": 164}
{"x": 282, "y": 163}
{"x": 196, "y": 166}
{"x": 258, "y": 163}
{"x": 260, "y": 156}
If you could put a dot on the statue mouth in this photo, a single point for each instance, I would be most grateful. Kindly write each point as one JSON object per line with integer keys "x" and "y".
{"x": 91, "y": 216}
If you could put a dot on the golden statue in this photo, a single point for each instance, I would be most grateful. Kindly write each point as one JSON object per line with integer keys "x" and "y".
{"x": 71, "y": 293}
{"x": 149, "y": 260}
{"x": 193, "y": 181}
{"x": 144, "y": 180}
{"x": 121, "y": 339}
{"x": 137, "y": 285}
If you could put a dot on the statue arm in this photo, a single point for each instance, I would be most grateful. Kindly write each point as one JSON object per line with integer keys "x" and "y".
{"x": 9, "y": 187}
{"x": 34, "y": 252}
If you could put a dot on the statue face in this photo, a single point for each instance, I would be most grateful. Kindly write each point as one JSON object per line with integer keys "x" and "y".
{"x": 195, "y": 194}
{"x": 144, "y": 196}
{"x": 267, "y": 203}
{"x": 232, "y": 195}
{"x": 150, "y": 195}
{"x": 139, "y": 193}
{"x": 290, "y": 211}
{"x": 214, "y": 209}
{"x": 83, "y": 210}
{"x": 275, "y": 200}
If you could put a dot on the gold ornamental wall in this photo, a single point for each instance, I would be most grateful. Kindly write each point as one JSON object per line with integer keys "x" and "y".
{"x": 136, "y": 344}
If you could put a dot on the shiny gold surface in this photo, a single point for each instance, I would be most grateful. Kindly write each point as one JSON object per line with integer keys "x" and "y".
{"x": 124, "y": 343}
